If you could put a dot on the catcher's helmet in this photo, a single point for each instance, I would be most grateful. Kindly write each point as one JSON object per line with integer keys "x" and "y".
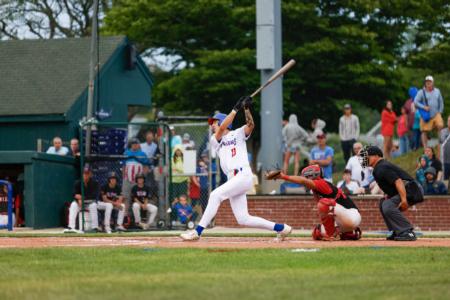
{"x": 312, "y": 172}
{"x": 112, "y": 175}
{"x": 220, "y": 117}
{"x": 140, "y": 175}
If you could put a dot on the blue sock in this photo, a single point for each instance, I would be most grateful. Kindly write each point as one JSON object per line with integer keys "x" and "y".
{"x": 278, "y": 227}
{"x": 199, "y": 229}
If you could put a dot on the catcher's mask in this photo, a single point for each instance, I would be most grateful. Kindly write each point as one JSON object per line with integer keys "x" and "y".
{"x": 312, "y": 172}
{"x": 367, "y": 151}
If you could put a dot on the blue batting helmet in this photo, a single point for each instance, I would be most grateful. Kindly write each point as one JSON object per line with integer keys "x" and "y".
{"x": 220, "y": 117}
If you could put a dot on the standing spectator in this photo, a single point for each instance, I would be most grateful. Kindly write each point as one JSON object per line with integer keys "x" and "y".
{"x": 202, "y": 170}
{"x": 322, "y": 155}
{"x": 433, "y": 186}
{"x": 434, "y": 161}
{"x": 179, "y": 182}
{"x": 416, "y": 133}
{"x": 348, "y": 131}
{"x": 358, "y": 174}
{"x": 443, "y": 136}
{"x": 112, "y": 199}
{"x": 176, "y": 139}
{"x": 74, "y": 148}
{"x": 347, "y": 185}
{"x": 293, "y": 134}
{"x": 402, "y": 131}
{"x": 430, "y": 103}
{"x": 57, "y": 147}
{"x": 151, "y": 149}
{"x": 410, "y": 112}
{"x": 187, "y": 143}
{"x": 388, "y": 119}
{"x": 422, "y": 166}
{"x": 318, "y": 126}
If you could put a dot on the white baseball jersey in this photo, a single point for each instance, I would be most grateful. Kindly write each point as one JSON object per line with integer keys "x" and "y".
{"x": 232, "y": 150}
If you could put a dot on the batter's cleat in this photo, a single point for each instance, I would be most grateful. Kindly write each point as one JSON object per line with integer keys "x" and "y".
{"x": 121, "y": 228}
{"x": 287, "y": 230}
{"x": 191, "y": 235}
{"x": 406, "y": 236}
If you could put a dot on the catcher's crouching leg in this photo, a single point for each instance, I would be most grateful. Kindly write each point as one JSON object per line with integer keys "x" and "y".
{"x": 352, "y": 235}
{"x": 327, "y": 229}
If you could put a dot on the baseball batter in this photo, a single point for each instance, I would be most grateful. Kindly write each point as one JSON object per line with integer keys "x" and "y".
{"x": 338, "y": 214}
{"x": 231, "y": 148}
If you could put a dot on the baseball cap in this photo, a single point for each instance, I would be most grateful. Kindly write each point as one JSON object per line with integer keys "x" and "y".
{"x": 374, "y": 150}
{"x": 429, "y": 78}
{"x": 171, "y": 127}
{"x": 86, "y": 169}
{"x": 321, "y": 135}
{"x": 134, "y": 141}
{"x": 347, "y": 106}
{"x": 430, "y": 170}
{"x": 186, "y": 136}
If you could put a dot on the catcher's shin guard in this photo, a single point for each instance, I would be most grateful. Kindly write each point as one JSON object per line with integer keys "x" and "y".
{"x": 352, "y": 235}
{"x": 325, "y": 207}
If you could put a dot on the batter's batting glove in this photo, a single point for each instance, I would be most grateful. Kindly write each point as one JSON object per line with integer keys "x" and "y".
{"x": 248, "y": 101}
{"x": 273, "y": 174}
{"x": 239, "y": 104}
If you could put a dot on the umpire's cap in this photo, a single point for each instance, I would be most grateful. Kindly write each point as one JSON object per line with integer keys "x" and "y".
{"x": 140, "y": 175}
{"x": 112, "y": 175}
{"x": 220, "y": 117}
{"x": 374, "y": 150}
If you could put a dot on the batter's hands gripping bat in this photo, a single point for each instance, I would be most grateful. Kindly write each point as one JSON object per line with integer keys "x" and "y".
{"x": 279, "y": 73}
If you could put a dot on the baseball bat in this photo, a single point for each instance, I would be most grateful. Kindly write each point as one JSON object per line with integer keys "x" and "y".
{"x": 278, "y": 74}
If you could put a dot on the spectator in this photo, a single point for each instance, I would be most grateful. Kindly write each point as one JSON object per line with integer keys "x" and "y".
{"x": 416, "y": 133}
{"x": 388, "y": 119}
{"x": 443, "y": 136}
{"x": 322, "y": 155}
{"x": 347, "y": 185}
{"x": 293, "y": 134}
{"x": 422, "y": 166}
{"x": 151, "y": 149}
{"x": 140, "y": 193}
{"x": 402, "y": 131}
{"x": 395, "y": 152}
{"x": 358, "y": 174}
{"x": 202, "y": 170}
{"x": 434, "y": 162}
{"x": 134, "y": 164}
{"x": 91, "y": 193}
{"x": 187, "y": 143}
{"x": 112, "y": 199}
{"x": 348, "y": 131}
{"x": 410, "y": 112}
{"x": 74, "y": 148}
{"x": 183, "y": 210}
{"x": 430, "y": 103}
{"x": 179, "y": 182}
{"x": 57, "y": 147}
{"x": 176, "y": 139}
{"x": 318, "y": 127}
{"x": 433, "y": 186}
{"x": 4, "y": 206}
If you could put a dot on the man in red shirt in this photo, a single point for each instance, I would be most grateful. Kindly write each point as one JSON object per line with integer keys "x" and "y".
{"x": 338, "y": 214}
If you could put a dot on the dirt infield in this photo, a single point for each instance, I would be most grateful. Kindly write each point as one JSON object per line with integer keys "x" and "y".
{"x": 208, "y": 242}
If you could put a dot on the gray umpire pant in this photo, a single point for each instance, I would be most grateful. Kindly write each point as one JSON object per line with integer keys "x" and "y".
{"x": 392, "y": 215}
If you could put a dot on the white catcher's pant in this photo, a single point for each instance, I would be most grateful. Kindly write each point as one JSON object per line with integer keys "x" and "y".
{"x": 235, "y": 189}
{"x": 347, "y": 219}
{"x": 151, "y": 213}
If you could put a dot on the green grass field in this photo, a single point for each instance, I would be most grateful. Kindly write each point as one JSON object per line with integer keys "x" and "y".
{"x": 137, "y": 273}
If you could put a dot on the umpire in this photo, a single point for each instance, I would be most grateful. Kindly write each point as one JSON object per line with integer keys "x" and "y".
{"x": 401, "y": 190}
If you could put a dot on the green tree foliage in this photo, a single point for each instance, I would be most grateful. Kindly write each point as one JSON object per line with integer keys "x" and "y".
{"x": 348, "y": 50}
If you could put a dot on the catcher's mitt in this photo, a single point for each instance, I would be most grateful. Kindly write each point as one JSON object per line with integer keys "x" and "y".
{"x": 273, "y": 174}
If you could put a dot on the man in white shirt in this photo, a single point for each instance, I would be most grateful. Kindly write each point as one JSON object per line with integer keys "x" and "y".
{"x": 57, "y": 147}
{"x": 150, "y": 148}
{"x": 360, "y": 175}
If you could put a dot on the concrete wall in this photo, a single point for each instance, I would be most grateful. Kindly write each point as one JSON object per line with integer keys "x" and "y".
{"x": 300, "y": 212}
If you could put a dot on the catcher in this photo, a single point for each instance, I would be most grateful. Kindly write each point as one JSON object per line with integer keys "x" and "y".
{"x": 339, "y": 216}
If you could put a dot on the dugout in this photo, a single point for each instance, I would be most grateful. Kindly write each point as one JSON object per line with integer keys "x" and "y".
{"x": 48, "y": 182}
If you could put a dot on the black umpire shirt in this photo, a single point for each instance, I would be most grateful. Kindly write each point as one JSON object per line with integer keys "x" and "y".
{"x": 91, "y": 189}
{"x": 386, "y": 173}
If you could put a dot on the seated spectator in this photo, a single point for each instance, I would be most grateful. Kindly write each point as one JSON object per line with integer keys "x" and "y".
{"x": 322, "y": 155}
{"x": 112, "y": 199}
{"x": 443, "y": 136}
{"x": 57, "y": 147}
{"x": 422, "y": 166}
{"x": 74, "y": 148}
{"x": 91, "y": 194}
{"x": 359, "y": 174}
{"x": 187, "y": 143}
{"x": 140, "y": 193}
{"x": 4, "y": 206}
{"x": 349, "y": 186}
{"x": 183, "y": 210}
{"x": 433, "y": 186}
{"x": 434, "y": 161}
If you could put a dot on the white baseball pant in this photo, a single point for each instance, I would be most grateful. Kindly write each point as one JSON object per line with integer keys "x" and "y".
{"x": 235, "y": 189}
{"x": 75, "y": 209}
{"x": 108, "y": 207}
{"x": 347, "y": 219}
{"x": 151, "y": 213}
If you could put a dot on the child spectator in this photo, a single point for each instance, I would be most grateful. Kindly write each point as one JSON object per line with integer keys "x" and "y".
{"x": 402, "y": 131}
{"x": 322, "y": 155}
{"x": 183, "y": 210}
{"x": 421, "y": 168}
{"x": 416, "y": 132}
{"x": 445, "y": 148}
{"x": 433, "y": 186}
{"x": 434, "y": 162}
{"x": 187, "y": 143}
{"x": 179, "y": 182}
{"x": 349, "y": 186}
{"x": 388, "y": 120}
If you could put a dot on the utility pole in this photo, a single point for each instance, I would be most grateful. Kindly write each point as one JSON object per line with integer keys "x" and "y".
{"x": 268, "y": 53}
{"x": 92, "y": 67}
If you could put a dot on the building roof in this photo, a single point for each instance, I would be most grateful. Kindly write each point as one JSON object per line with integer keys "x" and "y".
{"x": 44, "y": 77}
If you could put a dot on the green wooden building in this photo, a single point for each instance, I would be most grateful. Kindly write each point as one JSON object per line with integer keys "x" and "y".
{"x": 43, "y": 94}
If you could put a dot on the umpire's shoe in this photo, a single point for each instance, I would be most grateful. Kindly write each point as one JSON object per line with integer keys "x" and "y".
{"x": 391, "y": 236}
{"x": 408, "y": 235}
